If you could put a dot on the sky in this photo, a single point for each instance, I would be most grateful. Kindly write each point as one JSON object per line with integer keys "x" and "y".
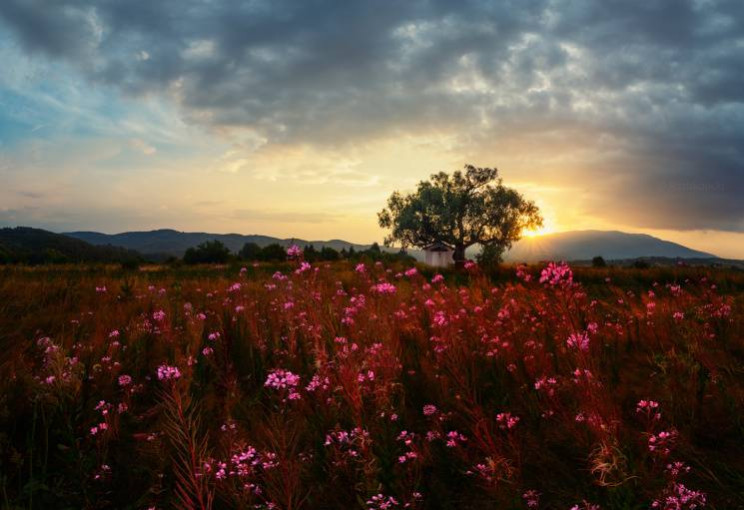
{"x": 298, "y": 119}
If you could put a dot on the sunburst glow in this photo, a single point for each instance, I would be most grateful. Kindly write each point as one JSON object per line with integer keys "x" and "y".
{"x": 548, "y": 226}
{"x": 269, "y": 132}
{"x": 538, "y": 231}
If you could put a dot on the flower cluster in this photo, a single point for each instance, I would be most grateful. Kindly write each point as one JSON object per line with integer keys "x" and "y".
{"x": 578, "y": 341}
{"x": 294, "y": 251}
{"x": 679, "y": 497}
{"x": 430, "y": 410}
{"x": 662, "y": 442}
{"x": 349, "y": 444}
{"x": 649, "y": 408}
{"x": 384, "y": 288}
{"x": 531, "y": 498}
{"x": 168, "y": 372}
{"x": 356, "y": 383}
{"x": 557, "y": 275}
{"x": 280, "y": 379}
{"x": 506, "y": 421}
{"x": 381, "y": 502}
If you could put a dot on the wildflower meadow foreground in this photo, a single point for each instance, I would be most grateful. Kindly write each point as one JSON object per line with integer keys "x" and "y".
{"x": 363, "y": 386}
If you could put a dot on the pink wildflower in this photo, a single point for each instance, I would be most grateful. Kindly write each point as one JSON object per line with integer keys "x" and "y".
{"x": 430, "y": 409}
{"x": 662, "y": 442}
{"x": 280, "y": 379}
{"x": 506, "y": 421}
{"x": 649, "y": 408}
{"x": 578, "y": 341}
{"x": 557, "y": 275}
{"x": 532, "y": 498}
{"x": 384, "y": 288}
{"x": 381, "y": 502}
{"x": 167, "y": 372}
{"x": 454, "y": 438}
{"x": 679, "y": 497}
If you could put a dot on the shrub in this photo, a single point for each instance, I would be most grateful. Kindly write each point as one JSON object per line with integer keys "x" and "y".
{"x": 641, "y": 264}
{"x": 250, "y": 251}
{"x": 490, "y": 255}
{"x": 273, "y": 253}
{"x": 208, "y": 252}
{"x": 327, "y": 253}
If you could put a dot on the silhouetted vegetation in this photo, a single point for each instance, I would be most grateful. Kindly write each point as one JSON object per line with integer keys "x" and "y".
{"x": 490, "y": 255}
{"x": 250, "y": 251}
{"x": 273, "y": 253}
{"x": 326, "y": 253}
{"x": 640, "y": 264}
{"x": 33, "y": 246}
{"x": 208, "y": 252}
{"x": 599, "y": 261}
{"x": 460, "y": 210}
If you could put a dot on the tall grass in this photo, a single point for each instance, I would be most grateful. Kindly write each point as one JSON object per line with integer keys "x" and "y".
{"x": 343, "y": 386}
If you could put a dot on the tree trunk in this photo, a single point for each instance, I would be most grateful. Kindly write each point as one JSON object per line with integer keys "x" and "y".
{"x": 459, "y": 256}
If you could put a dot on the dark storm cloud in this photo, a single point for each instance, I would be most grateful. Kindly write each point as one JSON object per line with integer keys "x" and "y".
{"x": 662, "y": 80}
{"x": 63, "y": 30}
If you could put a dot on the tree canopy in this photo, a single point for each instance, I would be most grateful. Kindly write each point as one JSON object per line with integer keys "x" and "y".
{"x": 208, "y": 252}
{"x": 250, "y": 251}
{"x": 460, "y": 210}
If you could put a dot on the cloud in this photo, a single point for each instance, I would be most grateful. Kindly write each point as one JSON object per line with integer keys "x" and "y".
{"x": 68, "y": 30}
{"x": 640, "y": 102}
{"x": 141, "y": 146}
{"x": 31, "y": 194}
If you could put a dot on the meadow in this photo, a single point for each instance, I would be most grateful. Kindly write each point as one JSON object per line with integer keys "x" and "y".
{"x": 345, "y": 385}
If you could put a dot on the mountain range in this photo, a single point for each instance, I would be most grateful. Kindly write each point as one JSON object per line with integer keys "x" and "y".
{"x": 586, "y": 244}
{"x": 36, "y": 246}
{"x": 571, "y": 246}
{"x": 173, "y": 242}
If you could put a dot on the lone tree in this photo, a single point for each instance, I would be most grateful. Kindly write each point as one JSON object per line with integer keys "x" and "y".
{"x": 459, "y": 210}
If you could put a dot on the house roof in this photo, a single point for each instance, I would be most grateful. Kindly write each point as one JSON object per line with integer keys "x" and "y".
{"x": 437, "y": 247}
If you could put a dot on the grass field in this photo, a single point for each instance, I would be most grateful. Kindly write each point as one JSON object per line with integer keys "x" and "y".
{"x": 344, "y": 386}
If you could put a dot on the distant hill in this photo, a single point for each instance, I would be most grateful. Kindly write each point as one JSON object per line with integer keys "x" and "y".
{"x": 571, "y": 246}
{"x": 36, "y": 246}
{"x": 668, "y": 261}
{"x": 173, "y": 242}
{"x": 586, "y": 244}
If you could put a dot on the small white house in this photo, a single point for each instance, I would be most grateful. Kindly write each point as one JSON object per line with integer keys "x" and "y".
{"x": 438, "y": 255}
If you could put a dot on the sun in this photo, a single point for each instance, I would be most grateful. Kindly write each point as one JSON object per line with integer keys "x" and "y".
{"x": 536, "y": 232}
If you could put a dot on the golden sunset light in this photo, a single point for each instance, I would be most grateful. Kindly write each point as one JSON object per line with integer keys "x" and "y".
{"x": 372, "y": 254}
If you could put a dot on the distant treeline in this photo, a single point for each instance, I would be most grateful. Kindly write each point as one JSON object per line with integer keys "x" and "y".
{"x": 215, "y": 252}
{"x": 33, "y": 246}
